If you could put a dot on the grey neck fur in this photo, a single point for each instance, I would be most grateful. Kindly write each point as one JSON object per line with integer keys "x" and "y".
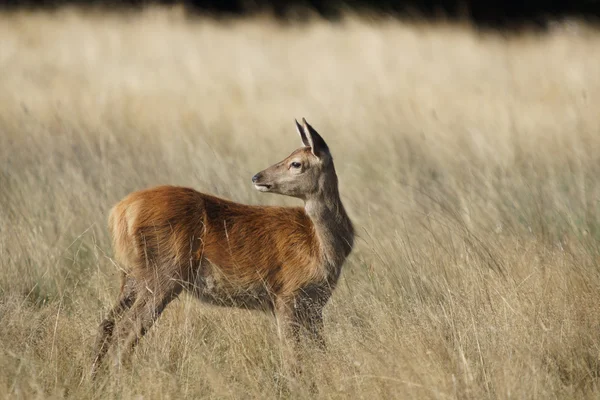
{"x": 332, "y": 225}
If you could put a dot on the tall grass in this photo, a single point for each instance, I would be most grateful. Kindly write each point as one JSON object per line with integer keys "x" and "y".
{"x": 469, "y": 162}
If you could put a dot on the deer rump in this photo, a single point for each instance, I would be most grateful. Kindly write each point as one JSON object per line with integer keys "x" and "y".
{"x": 222, "y": 252}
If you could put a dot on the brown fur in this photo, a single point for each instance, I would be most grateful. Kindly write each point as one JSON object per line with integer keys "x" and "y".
{"x": 283, "y": 259}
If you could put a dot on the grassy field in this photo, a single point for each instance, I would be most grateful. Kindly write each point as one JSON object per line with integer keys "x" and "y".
{"x": 469, "y": 163}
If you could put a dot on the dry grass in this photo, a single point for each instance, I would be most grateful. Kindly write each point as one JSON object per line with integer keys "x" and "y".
{"x": 470, "y": 164}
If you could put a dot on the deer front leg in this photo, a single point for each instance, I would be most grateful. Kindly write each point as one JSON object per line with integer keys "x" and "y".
{"x": 308, "y": 312}
{"x": 288, "y": 330}
{"x": 311, "y": 321}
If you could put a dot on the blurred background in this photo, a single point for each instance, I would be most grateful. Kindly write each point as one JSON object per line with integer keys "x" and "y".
{"x": 494, "y": 13}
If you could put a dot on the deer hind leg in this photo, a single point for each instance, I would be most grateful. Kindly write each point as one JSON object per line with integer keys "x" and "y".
{"x": 142, "y": 315}
{"x": 106, "y": 328}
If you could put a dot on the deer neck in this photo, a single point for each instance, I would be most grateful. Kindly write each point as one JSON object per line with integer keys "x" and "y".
{"x": 333, "y": 227}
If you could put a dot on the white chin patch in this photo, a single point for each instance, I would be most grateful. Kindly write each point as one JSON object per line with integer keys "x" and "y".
{"x": 261, "y": 188}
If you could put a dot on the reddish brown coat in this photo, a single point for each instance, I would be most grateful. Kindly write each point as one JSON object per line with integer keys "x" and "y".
{"x": 179, "y": 233}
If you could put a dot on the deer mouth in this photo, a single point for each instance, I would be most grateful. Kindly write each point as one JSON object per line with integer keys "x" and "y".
{"x": 262, "y": 187}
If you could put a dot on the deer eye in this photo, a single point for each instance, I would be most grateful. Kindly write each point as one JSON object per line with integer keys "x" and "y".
{"x": 295, "y": 164}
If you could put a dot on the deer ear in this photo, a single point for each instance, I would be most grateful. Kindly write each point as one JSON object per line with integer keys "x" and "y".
{"x": 317, "y": 144}
{"x": 300, "y": 130}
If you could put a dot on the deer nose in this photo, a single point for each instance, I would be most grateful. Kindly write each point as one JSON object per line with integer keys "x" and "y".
{"x": 255, "y": 178}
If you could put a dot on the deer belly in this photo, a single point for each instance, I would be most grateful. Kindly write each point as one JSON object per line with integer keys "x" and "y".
{"x": 220, "y": 286}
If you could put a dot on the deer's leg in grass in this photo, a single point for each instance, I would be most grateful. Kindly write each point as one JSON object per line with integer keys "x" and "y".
{"x": 104, "y": 337}
{"x": 289, "y": 334}
{"x": 311, "y": 320}
{"x": 141, "y": 317}
{"x": 308, "y": 311}
{"x": 297, "y": 317}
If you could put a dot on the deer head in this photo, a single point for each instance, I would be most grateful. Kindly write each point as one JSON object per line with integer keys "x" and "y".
{"x": 304, "y": 173}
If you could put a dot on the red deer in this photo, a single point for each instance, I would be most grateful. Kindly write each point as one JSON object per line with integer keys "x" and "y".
{"x": 284, "y": 260}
